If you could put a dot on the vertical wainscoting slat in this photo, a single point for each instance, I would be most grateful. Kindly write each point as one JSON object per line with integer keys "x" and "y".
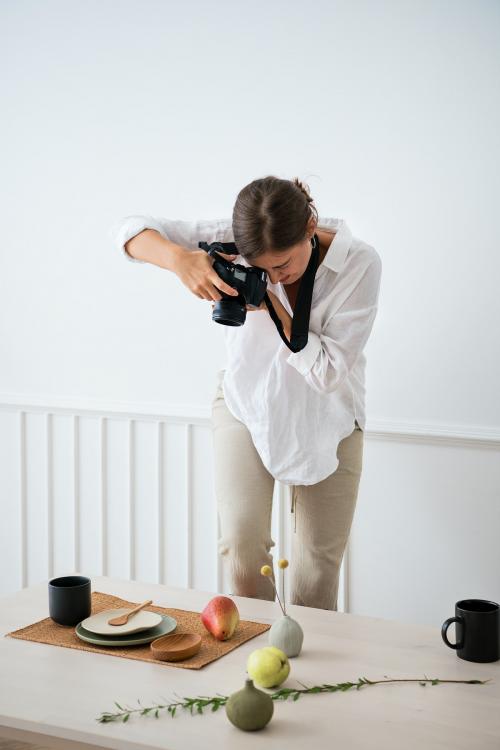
{"x": 76, "y": 491}
{"x": 23, "y": 500}
{"x": 104, "y": 500}
{"x": 218, "y": 561}
{"x": 161, "y": 511}
{"x": 189, "y": 504}
{"x": 131, "y": 498}
{"x": 50, "y": 495}
{"x": 282, "y": 493}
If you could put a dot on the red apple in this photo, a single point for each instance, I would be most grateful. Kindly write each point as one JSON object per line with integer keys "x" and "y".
{"x": 220, "y": 617}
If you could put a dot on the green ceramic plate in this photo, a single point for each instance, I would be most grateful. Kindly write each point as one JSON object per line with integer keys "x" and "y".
{"x": 133, "y": 639}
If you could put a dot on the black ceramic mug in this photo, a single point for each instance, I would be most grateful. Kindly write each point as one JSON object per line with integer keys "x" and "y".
{"x": 477, "y": 628}
{"x": 69, "y": 599}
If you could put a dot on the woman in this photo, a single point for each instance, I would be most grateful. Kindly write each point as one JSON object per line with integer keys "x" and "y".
{"x": 295, "y": 416}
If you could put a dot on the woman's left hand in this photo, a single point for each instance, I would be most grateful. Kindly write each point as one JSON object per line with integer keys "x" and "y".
{"x": 262, "y": 306}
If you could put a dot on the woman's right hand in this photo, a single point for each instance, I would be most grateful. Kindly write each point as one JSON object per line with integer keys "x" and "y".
{"x": 195, "y": 270}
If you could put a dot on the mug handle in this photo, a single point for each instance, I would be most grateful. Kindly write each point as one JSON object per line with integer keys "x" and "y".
{"x": 444, "y": 629}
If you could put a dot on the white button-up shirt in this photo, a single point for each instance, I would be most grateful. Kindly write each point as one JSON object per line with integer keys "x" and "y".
{"x": 297, "y": 406}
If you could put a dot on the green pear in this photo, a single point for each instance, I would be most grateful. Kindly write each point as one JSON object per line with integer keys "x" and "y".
{"x": 268, "y": 666}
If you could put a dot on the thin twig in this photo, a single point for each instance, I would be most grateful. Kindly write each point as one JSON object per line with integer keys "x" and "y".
{"x": 201, "y": 702}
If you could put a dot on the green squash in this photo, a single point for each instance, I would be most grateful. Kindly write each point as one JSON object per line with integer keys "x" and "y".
{"x": 249, "y": 709}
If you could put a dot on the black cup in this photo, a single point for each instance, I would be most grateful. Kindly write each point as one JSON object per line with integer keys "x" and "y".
{"x": 477, "y": 630}
{"x": 69, "y": 599}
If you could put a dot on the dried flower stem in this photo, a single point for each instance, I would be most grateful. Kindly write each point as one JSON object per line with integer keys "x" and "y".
{"x": 203, "y": 701}
{"x": 267, "y": 571}
{"x": 279, "y": 600}
{"x": 283, "y": 587}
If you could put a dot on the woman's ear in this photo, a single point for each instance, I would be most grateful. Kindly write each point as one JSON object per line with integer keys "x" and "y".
{"x": 311, "y": 227}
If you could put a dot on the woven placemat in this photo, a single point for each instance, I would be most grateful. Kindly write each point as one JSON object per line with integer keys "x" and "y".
{"x": 48, "y": 631}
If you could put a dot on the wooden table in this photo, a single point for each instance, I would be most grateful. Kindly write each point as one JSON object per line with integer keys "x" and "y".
{"x": 52, "y": 696}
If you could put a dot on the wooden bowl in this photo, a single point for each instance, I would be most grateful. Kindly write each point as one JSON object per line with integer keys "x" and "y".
{"x": 176, "y": 646}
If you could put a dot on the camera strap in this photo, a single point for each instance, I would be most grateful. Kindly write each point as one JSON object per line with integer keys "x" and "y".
{"x": 302, "y": 312}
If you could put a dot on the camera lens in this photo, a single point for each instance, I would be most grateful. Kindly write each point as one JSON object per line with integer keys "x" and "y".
{"x": 230, "y": 312}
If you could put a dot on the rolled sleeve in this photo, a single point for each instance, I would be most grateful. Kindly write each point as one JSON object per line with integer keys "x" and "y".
{"x": 328, "y": 357}
{"x": 123, "y": 231}
{"x": 183, "y": 232}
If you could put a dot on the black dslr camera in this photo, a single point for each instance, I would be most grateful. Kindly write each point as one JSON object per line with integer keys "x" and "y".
{"x": 250, "y": 282}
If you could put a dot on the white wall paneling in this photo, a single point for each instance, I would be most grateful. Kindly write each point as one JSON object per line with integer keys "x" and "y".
{"x": 128, "y": 494}
{"x": 101, "y": 490}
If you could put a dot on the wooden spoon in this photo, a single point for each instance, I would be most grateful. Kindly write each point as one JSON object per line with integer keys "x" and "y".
{"x": 123, "y": 619}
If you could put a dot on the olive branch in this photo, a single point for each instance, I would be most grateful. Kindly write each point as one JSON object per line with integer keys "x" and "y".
{"x": 202, "y": 702}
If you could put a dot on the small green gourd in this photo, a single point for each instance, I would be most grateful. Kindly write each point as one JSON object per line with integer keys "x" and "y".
{"x": 249, "y": 709}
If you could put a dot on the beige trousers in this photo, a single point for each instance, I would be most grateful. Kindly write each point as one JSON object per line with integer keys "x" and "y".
{"x": 323, "y": 515}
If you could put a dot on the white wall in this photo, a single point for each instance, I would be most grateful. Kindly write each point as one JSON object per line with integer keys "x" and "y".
{"x": 390, "y": 112}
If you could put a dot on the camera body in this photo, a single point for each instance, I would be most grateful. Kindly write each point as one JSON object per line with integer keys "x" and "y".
{"x": 249, "y": 282}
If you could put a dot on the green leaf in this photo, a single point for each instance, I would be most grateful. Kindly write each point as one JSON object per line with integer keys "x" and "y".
{"x": 157, "y": 712}
{"x": 125, "y": 718}
{"x": 120, "y": 707}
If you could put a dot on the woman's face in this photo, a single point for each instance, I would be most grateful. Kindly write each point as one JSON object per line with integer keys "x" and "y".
{"x": 287, "y": 266}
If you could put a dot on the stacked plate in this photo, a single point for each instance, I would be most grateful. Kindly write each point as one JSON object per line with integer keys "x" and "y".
{"x": 142, "y": 627}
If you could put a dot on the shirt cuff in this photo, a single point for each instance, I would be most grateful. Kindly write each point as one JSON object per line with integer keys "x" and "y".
{"x": 304, "y": 360}
{"x": 123, "y": 231}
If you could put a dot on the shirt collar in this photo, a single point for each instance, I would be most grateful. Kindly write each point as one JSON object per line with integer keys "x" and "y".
{"x": 337, "y": 252}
